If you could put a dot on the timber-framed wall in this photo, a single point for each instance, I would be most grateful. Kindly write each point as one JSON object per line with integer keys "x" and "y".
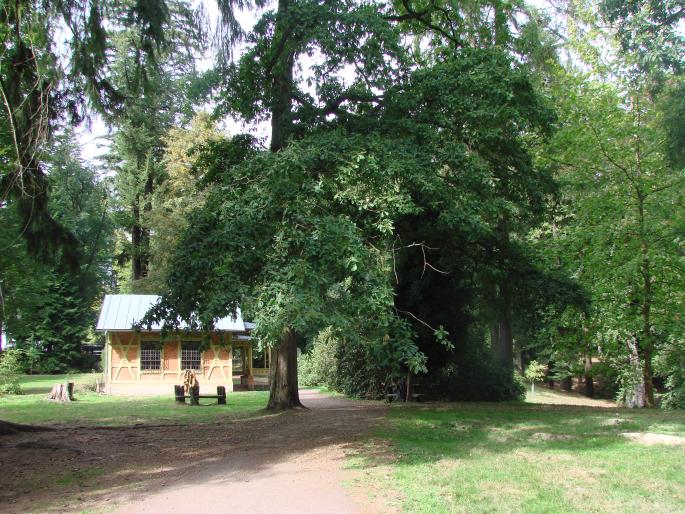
{"x": 124, "y": 371}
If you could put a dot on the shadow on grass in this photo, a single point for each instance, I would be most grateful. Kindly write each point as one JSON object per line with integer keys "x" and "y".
{"x": 99, "y": 466}
{"x": 460, "y": 427}
{"x": 521, "y": 457}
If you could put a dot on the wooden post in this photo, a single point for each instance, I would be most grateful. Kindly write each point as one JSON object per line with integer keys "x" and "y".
{"x": 410, "y": 388}
{"x": 70, "y": 391}
{"x": 249, "y": 360}
{"x": 194, "y": 395}
{"x": 179, "y": 394}
{"x": 221, "y": 393}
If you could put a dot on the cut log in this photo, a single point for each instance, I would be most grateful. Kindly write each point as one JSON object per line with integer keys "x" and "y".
{"x": 62, "y": 392}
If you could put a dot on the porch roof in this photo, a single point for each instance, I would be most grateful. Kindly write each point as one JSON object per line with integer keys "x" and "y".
{"x": 122, "y": 311}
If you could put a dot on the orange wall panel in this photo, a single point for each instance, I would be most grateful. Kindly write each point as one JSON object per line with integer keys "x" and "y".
{"x": 171, "y": 357}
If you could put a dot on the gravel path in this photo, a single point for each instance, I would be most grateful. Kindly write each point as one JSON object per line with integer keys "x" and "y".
{"x": 290, "y": 462}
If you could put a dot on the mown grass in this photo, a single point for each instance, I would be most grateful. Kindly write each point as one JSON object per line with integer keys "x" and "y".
{"x": 522, "y": 457}
{"x": 90, "y": 408}
{"x": 36, "y": 384}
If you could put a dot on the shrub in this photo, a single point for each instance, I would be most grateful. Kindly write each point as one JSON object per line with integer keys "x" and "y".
{"x": 359, "y": 373}
{"x": 10, "y": 370}
{"x": 473, "y": 374}
{"x": 670, "y": 363}
{"x": 534, "y": 373}
{"x": 344, "y": 365}
{"x": 319, "y": 366}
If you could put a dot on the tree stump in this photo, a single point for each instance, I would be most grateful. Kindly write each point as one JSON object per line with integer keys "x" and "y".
{"x": 62, "y": 392}
{"x": 179, "y": 394}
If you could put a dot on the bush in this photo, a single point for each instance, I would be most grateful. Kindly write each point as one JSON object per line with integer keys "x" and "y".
{"x": 319, "y": 366}
{"x": 344, "y": 365}
{"x": 474, "y": 374}
{"x": 670, "y": 363}
{"x": 10, "y": 370}
{"x": 359, "y": 373}
{"x": 534, "y": 372}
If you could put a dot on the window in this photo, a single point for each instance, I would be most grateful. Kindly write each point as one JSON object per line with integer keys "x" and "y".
{"x": 190, "y": 356}
{"x": 150, "y": 356}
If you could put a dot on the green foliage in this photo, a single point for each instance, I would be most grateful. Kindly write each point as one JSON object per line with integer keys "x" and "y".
{"x": 154, "y": 100}
{"x": 319, "y": 366}
{"x": 670, "y": 363}
{"x": 10, "y": 369}
{"x": 474, "y": 375}
{"x": 363, "y": 370}
{"x": 650, "y": 32}
{"x": 534, "y": 372}
{"x": 47, "y": 310}
{"x": 615, "y": 226}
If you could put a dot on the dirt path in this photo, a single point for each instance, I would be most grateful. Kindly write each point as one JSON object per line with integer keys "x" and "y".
{"x": 290, "y": 462}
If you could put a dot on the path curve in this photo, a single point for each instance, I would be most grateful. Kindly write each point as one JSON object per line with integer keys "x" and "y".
{"x": 292, "y": 466}
{"x": 286, "y": 463}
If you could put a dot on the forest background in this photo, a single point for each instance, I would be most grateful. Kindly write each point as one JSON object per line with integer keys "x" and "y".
{"x": 447, "y": 189}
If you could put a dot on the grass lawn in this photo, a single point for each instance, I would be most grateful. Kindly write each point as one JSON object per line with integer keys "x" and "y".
{"x": 524, "y": 457}
{"x": 94, "y": 409}
{"x": 36, "y": 384}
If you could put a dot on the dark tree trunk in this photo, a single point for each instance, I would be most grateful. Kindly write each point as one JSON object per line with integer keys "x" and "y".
{"x": 647, "y": 378}
{"x": 588, "y": 381}
{"x": 566, "y": 384}
{"x": 410, "y": 388}
{"x": 280, "y": 68}
{"x": 502, "y": 341}
{"x": 506, "y": 352}
{"x": 504, "y": 347}
{"x": 494, "y": 337}
{"x": 283, "y": 388}
{"x": 140, "y": 235}
{"x": 137, "y": 267}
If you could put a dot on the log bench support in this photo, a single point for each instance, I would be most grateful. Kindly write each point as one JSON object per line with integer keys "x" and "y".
{"x": 195, "y": 395}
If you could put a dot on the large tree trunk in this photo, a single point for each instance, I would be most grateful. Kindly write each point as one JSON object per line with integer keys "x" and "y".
{"x": 504, "y": 350}
{"x": 634, "y": 392}
{"x": 589, "y": 383}
{"x": 501, "y": 333}
{"x": 140, "y": 234}
{"x": 283, "y": 388}
{"x": 647, "y": 378}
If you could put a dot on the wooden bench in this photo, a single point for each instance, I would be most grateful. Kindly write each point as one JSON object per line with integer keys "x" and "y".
{"x": 395, "y": 393}
{"x": 195, "y": 395}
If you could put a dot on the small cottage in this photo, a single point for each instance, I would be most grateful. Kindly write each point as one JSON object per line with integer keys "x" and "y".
{"x": 142, "y": 361}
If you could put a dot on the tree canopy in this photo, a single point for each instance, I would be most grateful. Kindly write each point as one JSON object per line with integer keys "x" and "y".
{"x": 448, "y": 189}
